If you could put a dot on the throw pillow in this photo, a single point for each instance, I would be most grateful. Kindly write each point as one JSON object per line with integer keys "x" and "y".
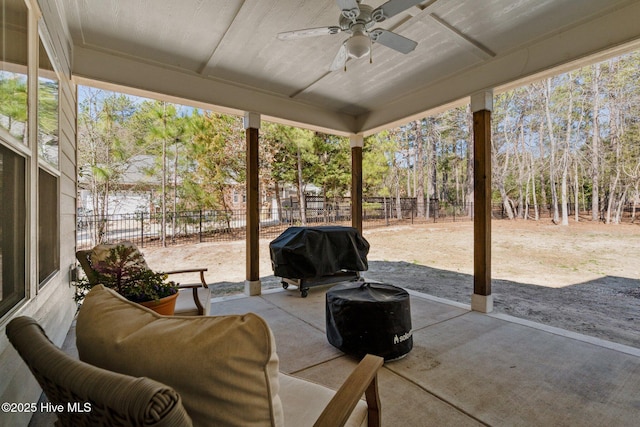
{"x": 225, "y": 367}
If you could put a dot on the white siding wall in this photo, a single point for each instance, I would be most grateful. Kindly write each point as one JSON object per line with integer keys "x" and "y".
{"x": 52, "y": 305}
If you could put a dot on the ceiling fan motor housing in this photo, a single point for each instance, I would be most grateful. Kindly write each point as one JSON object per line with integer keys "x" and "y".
{"x": 365, "y": 18}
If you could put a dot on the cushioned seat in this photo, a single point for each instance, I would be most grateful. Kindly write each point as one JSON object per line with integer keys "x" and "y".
{"x": 224, "y": 367}
{"x": 304, "y": 401}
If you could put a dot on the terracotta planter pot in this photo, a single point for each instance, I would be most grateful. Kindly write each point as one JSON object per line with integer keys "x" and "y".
{"x": 165, "y": 306}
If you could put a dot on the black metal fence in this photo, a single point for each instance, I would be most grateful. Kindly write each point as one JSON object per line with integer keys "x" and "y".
{"x": 628, "y": 212}
{"x": 145, "y": 229}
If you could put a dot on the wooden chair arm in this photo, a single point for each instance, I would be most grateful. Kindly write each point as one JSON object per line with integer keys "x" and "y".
{"x": 188, "y": 270}
{"x": 192, "y": 270}
{"x": 363, "y": 380}
{"x": 193, "y": 287}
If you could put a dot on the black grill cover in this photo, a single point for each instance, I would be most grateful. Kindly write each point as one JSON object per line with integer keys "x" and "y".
{"x": 370, "y": 318}
{"x": 308, "y": 252}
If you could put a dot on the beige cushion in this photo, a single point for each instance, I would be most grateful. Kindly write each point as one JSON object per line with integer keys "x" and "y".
{"x": 304, "y": 401}
{"x": 225, "y": 368}
{"x": 185, "y": 306}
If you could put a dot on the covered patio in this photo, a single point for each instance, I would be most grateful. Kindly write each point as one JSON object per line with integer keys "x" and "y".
{"x": 468, "y": 366}
{"x": 465, "y": 368}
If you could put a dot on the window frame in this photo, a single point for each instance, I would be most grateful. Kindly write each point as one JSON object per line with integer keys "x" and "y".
{"x": 16, "y": 297}
{"x": 43, "y": 41}
{"x": 47, "y": 167}
{"x": 19, "y": 208}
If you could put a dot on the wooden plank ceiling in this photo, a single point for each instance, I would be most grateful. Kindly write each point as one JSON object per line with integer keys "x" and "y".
{"x": 225, "y": 54}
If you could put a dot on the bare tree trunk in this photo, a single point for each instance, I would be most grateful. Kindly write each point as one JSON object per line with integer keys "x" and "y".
{"x": 533, "y": 189}
{"x": 163, "y": 233}
{"x": 469, "y": 180}
{"x": 621, "y": 201}
{"x": 552, "y": 166}
{"x": 456, "y": 174}
{"x": 576, "y": 192}
{"x": 563, "y": 196}
{"x": 419, "y": 187}
{"x": 566, "y": 155}
{"x": 175, "y": 193}
{"x": 520, "y": 153}
{"x": 325, "y": 213}
{"x": 612, "y": 189}
{"x": 276, "y": 189}
{"x": 506, "y": 202}
{"x": 595, "y": 146}
{"x": 301, "y": 195}
{"x": 408, "y": 180}
{"x": 502, "y": 173}
{"x": 543, "y": 185}
{"x": 434, "y": 167}
{"x": 616, "y": 197}
{"x": 398, "y": 200}
{"x": 526, "y": 200}
{"x": 386, "y": 211}
{"x": 635, "y": 203}
{"x": 564, "y": 186}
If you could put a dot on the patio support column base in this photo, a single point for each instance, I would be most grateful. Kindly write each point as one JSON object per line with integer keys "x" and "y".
{"x": 252, "y": 287}
{"x": 482, "y": 303}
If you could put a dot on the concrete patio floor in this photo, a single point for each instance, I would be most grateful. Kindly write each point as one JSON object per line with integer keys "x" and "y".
{"x": 466, "y": 368}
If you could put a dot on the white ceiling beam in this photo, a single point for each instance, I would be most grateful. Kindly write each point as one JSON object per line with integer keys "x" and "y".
{"x": 465, "y": 41}
{"x": 204, "y": 69}
{"x": 131, "y": 76}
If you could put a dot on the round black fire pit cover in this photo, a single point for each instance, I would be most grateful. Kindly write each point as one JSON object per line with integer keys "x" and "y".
{"x": 370, "y": 318}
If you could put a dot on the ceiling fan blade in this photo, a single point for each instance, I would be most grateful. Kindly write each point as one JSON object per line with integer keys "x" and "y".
{"x": 308, "y": 32}
{"x": 392, "y": 40}
{"x": 392, "y": 8}
{"x": 341, "y": 58}
{"x": 349, "y": 8}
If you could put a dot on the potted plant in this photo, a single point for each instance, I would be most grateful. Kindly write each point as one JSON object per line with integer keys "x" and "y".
{"x": 124, "y": 270}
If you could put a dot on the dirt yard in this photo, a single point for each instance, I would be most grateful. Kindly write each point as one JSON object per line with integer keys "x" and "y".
{"x": 583, "y": 278}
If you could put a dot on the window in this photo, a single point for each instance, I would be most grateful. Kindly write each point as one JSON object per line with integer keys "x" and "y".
{"x": 12, "y": 229}
{"x": 48, "y": 154}
{"x": 13, "y": 70}
{"x": 48, "y": 240}
{"x": 47, "y": 109}
{"x": 14, "y": 24}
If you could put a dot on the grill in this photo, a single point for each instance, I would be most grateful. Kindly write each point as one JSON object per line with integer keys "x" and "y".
{"x": 314, "y": 256}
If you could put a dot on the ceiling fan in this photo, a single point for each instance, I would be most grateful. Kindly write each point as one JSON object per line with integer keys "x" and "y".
{"x": 358, "y": 19}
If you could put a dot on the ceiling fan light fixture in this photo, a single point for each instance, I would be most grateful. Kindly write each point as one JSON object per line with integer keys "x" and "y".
{"x": 359, "y": 45}
{"x": 357, "y": 19}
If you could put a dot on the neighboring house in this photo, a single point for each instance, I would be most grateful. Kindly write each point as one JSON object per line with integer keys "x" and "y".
{"x": 138, "y": 191}
{"x": 135, "y": 193}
